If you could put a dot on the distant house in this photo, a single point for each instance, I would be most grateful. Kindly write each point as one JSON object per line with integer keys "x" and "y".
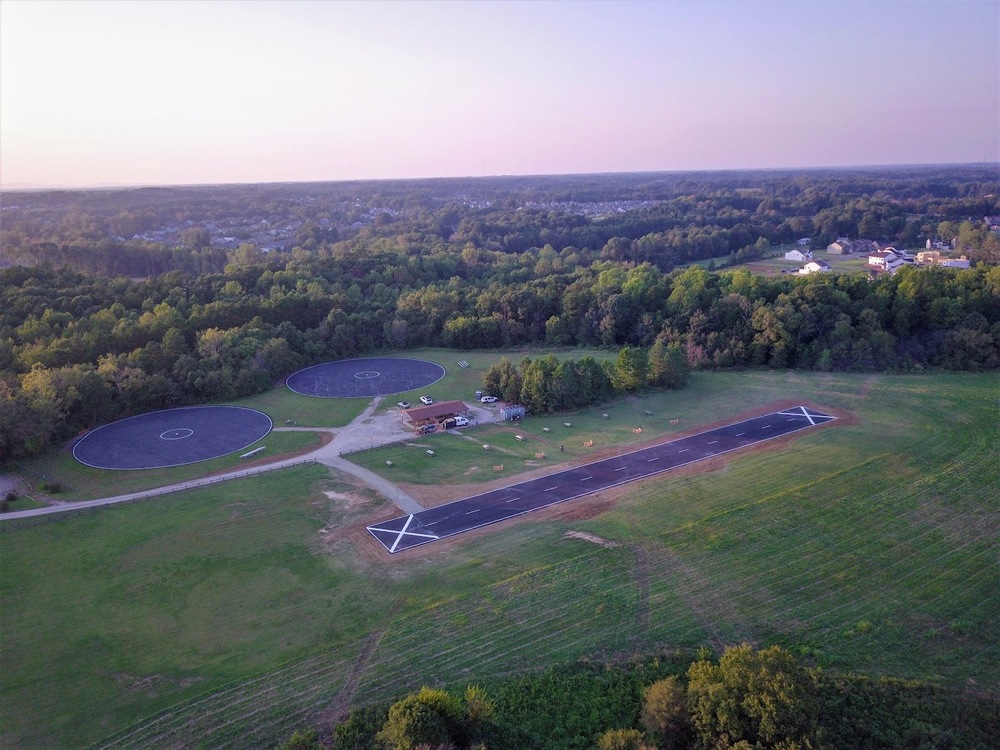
{"x": 929, "y": 257}
{"x": 798, "y": 255}
{"x": 804, "y": 242}
{"x": 993, "y": 222}
{"x": 815, "y": 266}
{"x": 842, "y": 246}
{"x": 886, "y": 260}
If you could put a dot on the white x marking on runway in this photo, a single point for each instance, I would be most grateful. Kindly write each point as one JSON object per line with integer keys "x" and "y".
{"x": 401, "y": 533}
{"x": 800, "y": 411}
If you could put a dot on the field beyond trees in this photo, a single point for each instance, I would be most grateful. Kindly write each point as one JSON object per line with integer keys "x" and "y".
{"x": 229, "y": 616}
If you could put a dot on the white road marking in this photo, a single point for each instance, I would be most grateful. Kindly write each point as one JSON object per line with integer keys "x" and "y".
{"x": 401, "y": 533}
{"x": 652, "y": 459}
{"x": 713, "y": 442}
{"x": 740, "y": 434}
{"x": 470, "y": 512}
{"x": 765, "y": 427}
{"x": 549, "y": 489}
{"x": 683, "y": 450}
{"x": 621, "y": 468}
{"x": 585, "y": 479}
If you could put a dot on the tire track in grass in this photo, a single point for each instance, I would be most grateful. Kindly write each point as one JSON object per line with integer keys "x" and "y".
{"x": 342, "y": 703}
{"x": 177, "y": 717}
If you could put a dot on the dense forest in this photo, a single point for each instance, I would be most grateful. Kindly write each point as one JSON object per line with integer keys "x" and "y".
{"x": 98, "y": 321}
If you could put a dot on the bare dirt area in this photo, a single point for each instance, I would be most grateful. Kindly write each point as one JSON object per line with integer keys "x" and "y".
{"x": 592, "y": 538}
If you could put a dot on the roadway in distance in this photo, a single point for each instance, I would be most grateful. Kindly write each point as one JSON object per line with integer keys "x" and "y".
{"x": 405, "y": 532}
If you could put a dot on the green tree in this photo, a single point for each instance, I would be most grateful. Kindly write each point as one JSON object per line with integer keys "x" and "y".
{"x": 631, "y": 369}
{"x": 664, "y": 712}
{"x": 302, "y": 740}
{"x": 622, "y": 739}
{"x": 668, "y": 365}
{"x": 412, "y": 723}
{"x": 762, "y": 698}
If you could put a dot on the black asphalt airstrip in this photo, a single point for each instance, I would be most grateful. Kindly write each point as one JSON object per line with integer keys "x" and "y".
{"x": 405, "y": 532}
{"x": 365, "y": 378}
{"x": 172, "y": 437}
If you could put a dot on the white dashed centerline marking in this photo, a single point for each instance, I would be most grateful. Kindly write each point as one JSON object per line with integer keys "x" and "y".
{"x": 683, "y": 450}
{"x": 470, "y": 512}
{"x": 585, "y": 479}
{"x": 713, "y": 442}
{"x": 652, "y": 459}
{"x": 621, "y": 468}
{"x": 549, "y": 489}
{"x": 512, "y": 500}
{"x": 765, "y": 427}
{"x": 740, "y": 434}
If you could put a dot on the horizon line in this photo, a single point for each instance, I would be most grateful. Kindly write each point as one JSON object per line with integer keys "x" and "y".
{"x": 37, "y": 188}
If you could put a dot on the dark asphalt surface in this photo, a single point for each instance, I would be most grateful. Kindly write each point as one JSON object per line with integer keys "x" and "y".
{"x": 404, "y": 532}
{"x": 172, "y": 437}
{"x": 365, "y": 378}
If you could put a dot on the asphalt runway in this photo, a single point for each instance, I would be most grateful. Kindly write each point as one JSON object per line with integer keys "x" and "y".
{"x": 364, "y": 378}
{"x": 405, "y": 532}
{"x": 172, "y": 437}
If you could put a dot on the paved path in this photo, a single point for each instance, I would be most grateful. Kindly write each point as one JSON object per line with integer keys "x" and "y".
{"x": 363, "y": 432}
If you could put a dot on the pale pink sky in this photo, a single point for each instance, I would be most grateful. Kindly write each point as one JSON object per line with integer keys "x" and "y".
{"x": 98, "y": 93}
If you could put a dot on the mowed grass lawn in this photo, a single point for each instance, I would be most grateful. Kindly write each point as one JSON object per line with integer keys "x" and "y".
{"x": 228, "y": 617}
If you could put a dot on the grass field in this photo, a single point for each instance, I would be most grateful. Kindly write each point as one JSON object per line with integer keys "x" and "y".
{"x": 229, "y": 616}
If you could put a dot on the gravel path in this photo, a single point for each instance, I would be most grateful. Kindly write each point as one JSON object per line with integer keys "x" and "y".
{"x": 364, "y": 432}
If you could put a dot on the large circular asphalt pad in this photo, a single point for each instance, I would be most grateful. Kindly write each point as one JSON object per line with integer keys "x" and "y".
{"x": 365, "y": 378}
{"x": 173, "y": 437}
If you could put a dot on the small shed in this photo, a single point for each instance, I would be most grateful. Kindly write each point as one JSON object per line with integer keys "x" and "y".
{"x": 512, "y": 413}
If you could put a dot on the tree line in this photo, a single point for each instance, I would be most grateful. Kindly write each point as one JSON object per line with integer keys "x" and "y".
{"x": 77, "y": 351}
{"x": 548, "y": 385}
{"x": 747, "y": 699}
{"x": 663, "y": 219}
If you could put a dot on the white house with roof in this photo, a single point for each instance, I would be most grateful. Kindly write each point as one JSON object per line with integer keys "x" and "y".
{"x": 815, "y": 266}
{"x": 799, "y": 255}
{"x": 886, "y": 260}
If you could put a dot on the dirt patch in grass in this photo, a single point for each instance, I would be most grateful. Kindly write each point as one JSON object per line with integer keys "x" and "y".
{"x": 592, "y": 538}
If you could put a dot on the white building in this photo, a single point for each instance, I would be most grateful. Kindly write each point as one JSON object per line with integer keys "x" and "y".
{"x": 815, "y": 266}
{"x": 799, "y": 255}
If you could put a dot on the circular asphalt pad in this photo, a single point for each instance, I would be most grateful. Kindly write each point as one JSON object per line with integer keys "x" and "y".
{"x": 173, "y": 437}
{"x": 365, "y": 378}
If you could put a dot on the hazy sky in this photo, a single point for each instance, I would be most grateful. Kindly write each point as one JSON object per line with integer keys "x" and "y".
{"x": 143, "y": 92}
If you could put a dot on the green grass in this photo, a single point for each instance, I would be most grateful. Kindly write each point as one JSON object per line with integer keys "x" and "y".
{"x": 224, "y": 618}
{"x": 23, "y": 502}
{"x": 86, "y": 483}
{"x": 285, "y": 407}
